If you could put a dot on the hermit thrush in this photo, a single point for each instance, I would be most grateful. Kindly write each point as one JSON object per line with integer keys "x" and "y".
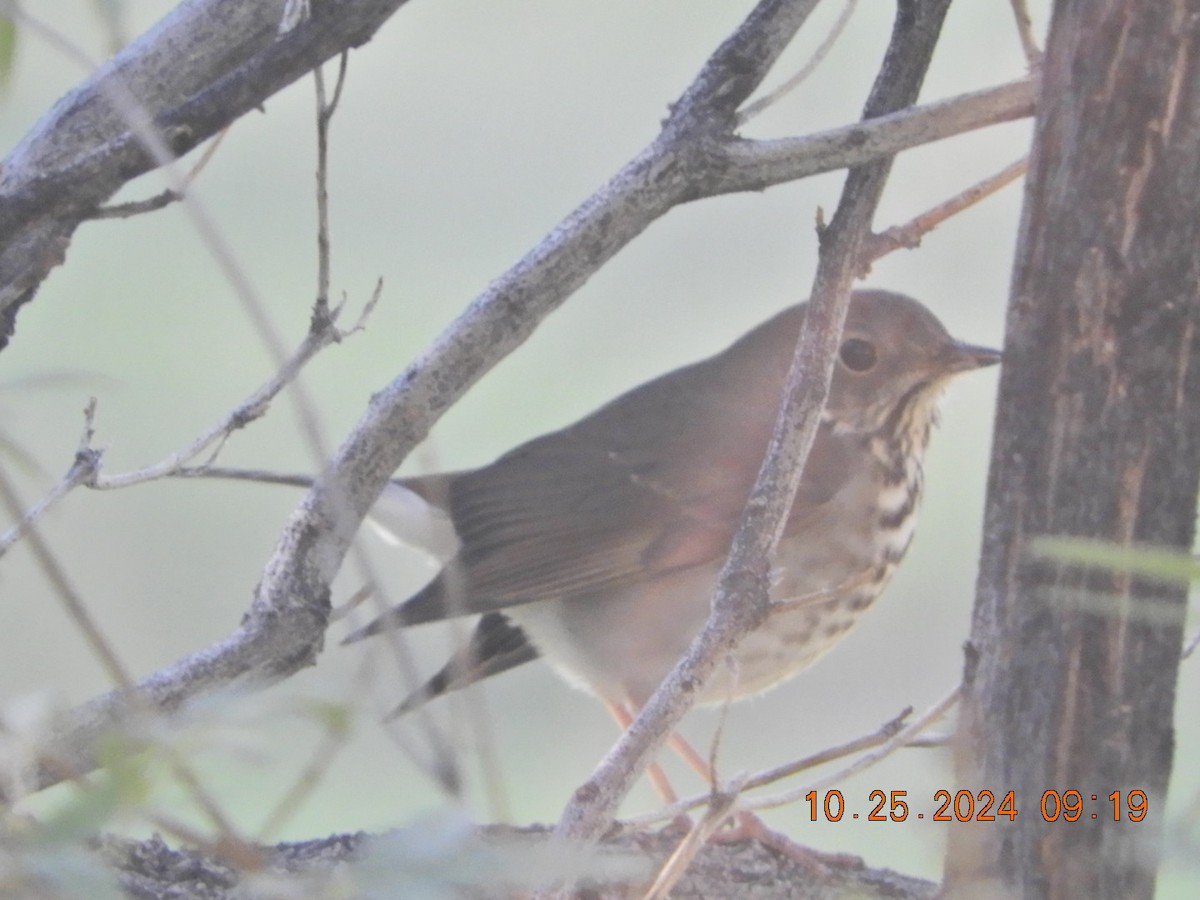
{"x": 598, "y": 546}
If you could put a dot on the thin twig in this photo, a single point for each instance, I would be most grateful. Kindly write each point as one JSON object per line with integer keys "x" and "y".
{"x": 753, "y": 109}
{"x": 741, "y": 602}
{"x": 909, "y": 235}
{"x": 443, "y": 768}
{"x": 284, "y": 628}
{"x": 721, "y": 806}
{"x": 137, "y": 207}
{"x": 71, "y": 600}
{"x": 324, "y": 115}
{"x": 1029, "y": 45}
{"x": 253, "y": 407}
{"x": 903, "y": 739}
{"x": 333, "y": 739}
{"x": 881, "y": 735}
{"x": 261, "y": 476}
{"x": 167, "y": 197}
{"x": 343, "y": 65}
{"x": 82, "y": 471}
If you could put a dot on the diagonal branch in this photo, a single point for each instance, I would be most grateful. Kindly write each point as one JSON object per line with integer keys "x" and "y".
{"x": 741, "y": 602}
{"x": 284, "y": 628}
{"x": 204, "y": 65}
{"x": 755, "y": 165}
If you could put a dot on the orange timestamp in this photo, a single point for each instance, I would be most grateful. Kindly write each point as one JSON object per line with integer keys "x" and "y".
{"x": 981, "y": 806}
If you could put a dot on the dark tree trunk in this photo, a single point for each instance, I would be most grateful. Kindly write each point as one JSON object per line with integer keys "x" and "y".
{"x": 1070, "y": 674}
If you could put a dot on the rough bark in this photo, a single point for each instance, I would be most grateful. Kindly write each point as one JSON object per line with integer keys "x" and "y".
{"x": 740, "y": 603}
{"x": 1070, "y": 673}
{"x": 151, "y": 869}
{"x": 205, "y": 64}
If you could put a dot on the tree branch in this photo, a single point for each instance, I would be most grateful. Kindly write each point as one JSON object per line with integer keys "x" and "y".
{"x": 456, "y": 863}
{"x": 204, "y": 65}
{"x": 284, "y": 628}
{"x": 741, "y": 602}
{"x": 756, "y": 165}
{"x": 1097, "y": 437}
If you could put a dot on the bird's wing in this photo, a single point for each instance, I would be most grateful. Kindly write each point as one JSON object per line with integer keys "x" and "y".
{"x": 571, "y": 517}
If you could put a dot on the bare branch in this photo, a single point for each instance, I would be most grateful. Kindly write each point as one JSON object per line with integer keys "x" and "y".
{"x": 901, "y": 740}
{"x": 769, "y": 776}
{"x": 83, "y": 471}
{"x": 284, "y": 628}
{"x": 908, "y": 235}
{"x": 241, "y": 415}
{"x": 756, "y": 165}
{"x": 1033, "y": 53}
{"x": 324, "y": 116}
{"x": 205, "y": 64}
{"x": 753, "y": 109}
{"x": 55, "y": 574}
{"x": 741, "y": 602}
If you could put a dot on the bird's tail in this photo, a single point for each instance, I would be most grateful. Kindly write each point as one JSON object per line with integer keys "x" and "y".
{"x": 496, "y": 646}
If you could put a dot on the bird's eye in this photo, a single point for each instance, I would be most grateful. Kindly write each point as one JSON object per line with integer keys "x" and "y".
{"x": 858, "y": 355}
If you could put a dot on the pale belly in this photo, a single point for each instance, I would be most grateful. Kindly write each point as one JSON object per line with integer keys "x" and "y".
{"x": 621, "y": 646}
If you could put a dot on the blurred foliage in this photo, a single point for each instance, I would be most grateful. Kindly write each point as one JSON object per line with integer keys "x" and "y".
{"x": 1161, "y": 563}
{"x": 8, "y": 51}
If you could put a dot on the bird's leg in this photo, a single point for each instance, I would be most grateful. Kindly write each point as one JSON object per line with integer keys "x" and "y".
{"x": 691, "y": 756}
{"x": 747, "y": 826}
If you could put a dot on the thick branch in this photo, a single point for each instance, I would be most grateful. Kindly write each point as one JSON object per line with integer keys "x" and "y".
{"x": 755, "y": 165}
{"x": 284, "y": 629}
{"x": 204, "y": 65}
{"x": 193, "y": 84}
{"x": 1097, "y": 436}
{"x": 151, "y": 869}
{"x": 741, "y": 602}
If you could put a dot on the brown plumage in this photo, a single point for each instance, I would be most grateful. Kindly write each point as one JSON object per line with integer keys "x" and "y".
{"x": 597, "y": 546}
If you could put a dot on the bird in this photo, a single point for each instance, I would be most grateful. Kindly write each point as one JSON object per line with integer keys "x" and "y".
{"x": 598, "y": 546}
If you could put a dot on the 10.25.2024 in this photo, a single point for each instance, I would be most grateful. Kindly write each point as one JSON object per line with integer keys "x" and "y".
{"x": 982, "y": 806}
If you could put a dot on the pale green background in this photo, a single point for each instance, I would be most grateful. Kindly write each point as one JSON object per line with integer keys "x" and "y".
{"x": 466, "y": 132}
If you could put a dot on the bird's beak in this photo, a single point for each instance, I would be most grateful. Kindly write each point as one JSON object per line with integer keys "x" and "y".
{"x": 964, "y": 357}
